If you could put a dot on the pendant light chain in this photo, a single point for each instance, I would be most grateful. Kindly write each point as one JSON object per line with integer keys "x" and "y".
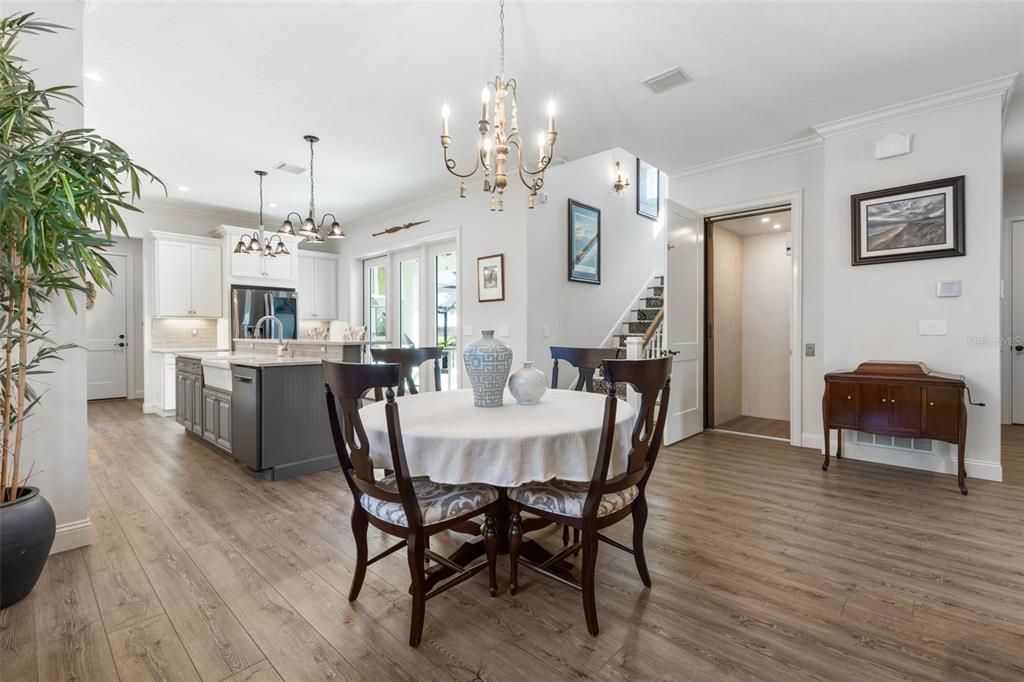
{"x": 501, "y": 34}
{"x": 312, "y": 207}
{"x": 261, "y": 201}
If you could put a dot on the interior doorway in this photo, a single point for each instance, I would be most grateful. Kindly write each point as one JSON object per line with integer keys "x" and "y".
{"x": 1017, "y": 321}
{"x": 749, "y": 300}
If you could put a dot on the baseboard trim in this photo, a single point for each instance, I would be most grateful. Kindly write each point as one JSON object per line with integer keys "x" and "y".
{"x": 149, "y": 408}
{"x": 909, "y": 459}
{"x": 72, "y": 535}
{"x": 751, "y": 435}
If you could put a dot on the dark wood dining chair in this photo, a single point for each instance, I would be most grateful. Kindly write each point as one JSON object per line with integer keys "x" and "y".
{"x": 585, "y": 360}
{"x": 591, "y": 507}
{"x": 409, "y": 359}
{"x": 409, "y": 508}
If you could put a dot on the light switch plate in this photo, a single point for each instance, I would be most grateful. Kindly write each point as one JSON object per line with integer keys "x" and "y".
{"x": 503, "y": 331}
{"x": 467, "y": 330}
{"x": 931, "y": 327}
{"x": 947, "y": 288}
{"x": 809, "y": 350}
{"x": 547, "y": 331}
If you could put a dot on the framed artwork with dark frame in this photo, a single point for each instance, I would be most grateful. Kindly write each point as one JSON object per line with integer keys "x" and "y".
{"x": 912, "y": 222}
{"x": 648, "y": 190}
{"x": 584, "y": 243}
{"x": 490, "y": 278}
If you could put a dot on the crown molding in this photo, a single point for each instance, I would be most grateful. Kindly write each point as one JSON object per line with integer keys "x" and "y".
{"x": 995, "y": 87}
{"x": 192, "y": 208}
{"x": 797, "y": 146}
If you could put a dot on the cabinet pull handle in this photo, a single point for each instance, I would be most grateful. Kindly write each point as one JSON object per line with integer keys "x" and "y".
{"x": 849, "y": 397}
{"x": 244, "y": 380}
{"x": 931, "y": 404}
{"x": 893, "y": 402}
{"x": 883, "y": 400}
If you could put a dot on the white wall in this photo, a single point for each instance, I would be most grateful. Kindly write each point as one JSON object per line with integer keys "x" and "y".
{"x": 479, "y": 232}
{"x": 872, "y": 311}
{"x": 727, "y": 251}
{"x": 60, "y": 455}
{"x": 752, "y": 184}
{"x": 767, "y": 301}
{"x": 632, "y": 249}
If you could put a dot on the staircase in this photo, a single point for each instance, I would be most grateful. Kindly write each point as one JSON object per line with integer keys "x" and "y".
{"x": 644, "y": 322}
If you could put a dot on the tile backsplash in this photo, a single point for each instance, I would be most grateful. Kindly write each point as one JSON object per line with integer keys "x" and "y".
{"x": 184, "y": 332}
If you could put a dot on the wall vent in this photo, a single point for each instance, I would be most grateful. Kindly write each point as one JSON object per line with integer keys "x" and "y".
{"x": 666, "y": 80}
{"x": 898, "y": 442}
{"x": 288, "y": 168}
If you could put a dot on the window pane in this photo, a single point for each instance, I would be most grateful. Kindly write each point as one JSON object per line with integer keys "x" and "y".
{"x": 409, "y": 314}
{"x": 377, "y": 321}
{"x": 446, "y": 295}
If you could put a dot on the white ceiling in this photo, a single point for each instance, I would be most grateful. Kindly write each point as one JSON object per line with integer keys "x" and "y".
{"x": 205, "y": 93}
{"x": 749, "y": 226}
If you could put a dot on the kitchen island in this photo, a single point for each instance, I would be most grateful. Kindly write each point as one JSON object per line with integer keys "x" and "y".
{"x": 266, "y": 411}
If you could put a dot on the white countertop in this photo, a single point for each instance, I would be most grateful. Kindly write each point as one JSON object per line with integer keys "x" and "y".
{"x": 179, "y": 351}
{"x": 301, "y": 342}
{"x": 226, "y": 358}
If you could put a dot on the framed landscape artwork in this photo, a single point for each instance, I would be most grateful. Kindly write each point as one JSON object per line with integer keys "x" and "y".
{"x": 584, "y": 243}
{"x": 490, "y": 278}
{"x": 648, "y": 190}
{"x": 913, "y": 222}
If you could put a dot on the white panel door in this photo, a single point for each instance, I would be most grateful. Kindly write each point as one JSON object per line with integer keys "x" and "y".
{"x": 326, "y": 286}
{"x": 684, "y": 321}
{"x": 173, "y": 279}
{"x": 1017, "y": 324}
{"x": 306, "y": 289}
{"x": 206, "y": 281}
{"x": 106, "y": 329}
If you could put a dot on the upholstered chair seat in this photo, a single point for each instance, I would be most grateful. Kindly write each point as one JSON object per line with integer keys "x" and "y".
{"x": 438, "y": 501}
{"x": 567, "y": 498}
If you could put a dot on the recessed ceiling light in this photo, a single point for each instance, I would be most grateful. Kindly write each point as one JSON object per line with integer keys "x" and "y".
{"x": 182, "y": 188}
{"x": 766, "y": 219}
{"x": 93, "y": 76}
{"x": 272, "y": 205}
{"x": 776, "y": 226}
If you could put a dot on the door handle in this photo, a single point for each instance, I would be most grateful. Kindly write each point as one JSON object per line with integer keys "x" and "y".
{"x": 672, "y": 352}
{"x": 121, "y": 345}
{"x": 120, "y": 336}
{"x": 1018, "y": 348}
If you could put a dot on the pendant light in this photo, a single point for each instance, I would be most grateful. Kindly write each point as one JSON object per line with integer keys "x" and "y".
{"x": 309, "y": 227}
{"x": 257, "y": 242}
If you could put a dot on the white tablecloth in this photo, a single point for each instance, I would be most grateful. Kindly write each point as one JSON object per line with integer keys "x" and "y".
{"x": 451, "y": 441}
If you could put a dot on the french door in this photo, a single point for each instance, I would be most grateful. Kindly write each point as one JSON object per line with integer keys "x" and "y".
{"x": 411, "y": 300}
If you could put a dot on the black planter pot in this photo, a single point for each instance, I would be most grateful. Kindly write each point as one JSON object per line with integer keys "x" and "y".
{"x": 27, "y": 529}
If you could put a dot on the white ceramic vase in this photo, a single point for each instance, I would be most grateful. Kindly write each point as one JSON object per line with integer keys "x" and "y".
{"x": 487, "y": 361}
{"x": 528, "y": 384}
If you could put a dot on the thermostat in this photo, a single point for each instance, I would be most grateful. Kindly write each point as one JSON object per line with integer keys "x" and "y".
{"x": 947, "y": 288}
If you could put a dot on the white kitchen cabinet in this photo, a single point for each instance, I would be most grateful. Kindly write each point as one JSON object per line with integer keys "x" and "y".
{"x": 186, "y": 276}
{"x": 279, "y": 267}
{"x": 255, "y": 269}
{"x": 318, "y": 287}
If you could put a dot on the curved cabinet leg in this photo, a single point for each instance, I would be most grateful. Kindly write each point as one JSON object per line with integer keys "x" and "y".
{"x": 961, "y": 473}
{"x": 839, "y": 443}
{"x": 824, "y": 422}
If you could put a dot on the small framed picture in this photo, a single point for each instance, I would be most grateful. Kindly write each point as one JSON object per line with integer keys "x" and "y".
{"x": 648, "y": 190}
{"x": 584, "y": 243}
{"x": 490, "y": 278}
{"x": 912, "y": 222}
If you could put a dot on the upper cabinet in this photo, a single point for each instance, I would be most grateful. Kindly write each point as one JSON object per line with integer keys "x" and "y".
{"x": 255, "y": 268}
{"x": 318, "y": 287}
{"x": 186, "y": 276}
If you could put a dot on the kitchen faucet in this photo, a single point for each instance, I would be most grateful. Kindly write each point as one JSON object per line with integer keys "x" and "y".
{"x": 282, "y": 345}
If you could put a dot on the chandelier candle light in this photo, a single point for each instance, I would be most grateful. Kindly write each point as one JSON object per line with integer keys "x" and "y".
{"x": 309, "y": 228}
{"x": 257, "y": 242}
{"x": 500, "y": 136}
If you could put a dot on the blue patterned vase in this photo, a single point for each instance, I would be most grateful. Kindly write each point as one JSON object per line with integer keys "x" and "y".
{"x": 487, "y": 362}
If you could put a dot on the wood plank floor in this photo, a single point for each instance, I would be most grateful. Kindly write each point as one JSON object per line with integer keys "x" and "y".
{"x": 764, "y": 567}
{"x": 758, "y": 426}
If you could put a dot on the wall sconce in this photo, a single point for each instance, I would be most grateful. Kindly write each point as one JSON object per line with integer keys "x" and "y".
{"x": 621, "y": 179}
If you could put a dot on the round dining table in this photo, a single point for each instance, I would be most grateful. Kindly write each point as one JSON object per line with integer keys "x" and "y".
{"x": 449, "y": 440}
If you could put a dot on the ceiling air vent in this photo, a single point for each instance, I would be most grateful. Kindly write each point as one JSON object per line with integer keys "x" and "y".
{"x": 288, "y": 168}
{"x": 666, "y": 80}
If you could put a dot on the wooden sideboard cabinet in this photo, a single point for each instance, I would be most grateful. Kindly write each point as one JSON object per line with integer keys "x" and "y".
{"x": 903, "y": 399}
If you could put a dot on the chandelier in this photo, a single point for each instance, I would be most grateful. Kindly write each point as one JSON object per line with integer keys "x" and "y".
{"x": 257, "y": 242}
{"x": 309, "y": 227}
{"x": 498, "y": 137}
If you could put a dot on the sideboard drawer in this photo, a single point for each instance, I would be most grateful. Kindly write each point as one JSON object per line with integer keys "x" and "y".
{"x": 842, "y": 404}
{"x": 942, "y": 412}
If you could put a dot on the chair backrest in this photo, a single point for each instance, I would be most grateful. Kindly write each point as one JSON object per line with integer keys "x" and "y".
{"x": 650, "y": 379}
{"x": 345, "y": 385}
{"x": 586, "y": 360}
{"x": 409, "y": 359}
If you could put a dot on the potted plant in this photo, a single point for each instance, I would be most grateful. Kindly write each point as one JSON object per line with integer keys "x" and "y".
{"x": 61, "y": 196}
